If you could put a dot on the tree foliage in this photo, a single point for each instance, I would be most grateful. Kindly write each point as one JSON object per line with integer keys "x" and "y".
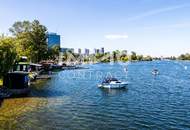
{"x": 30, "y": 39}
{"x": 184, "y": 56}
{"x": 53, "y": 52}
{"x": 133, "y": 55}
{"x": 20, "y": 27}
{"x": 38, "y": 39}
{"x": 7, "y": 54}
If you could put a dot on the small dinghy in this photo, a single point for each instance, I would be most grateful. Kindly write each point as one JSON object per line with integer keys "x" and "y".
{"x": 112, "y": 83}
{"x": 125, "y": 69}
{"x": 155, "y": 72}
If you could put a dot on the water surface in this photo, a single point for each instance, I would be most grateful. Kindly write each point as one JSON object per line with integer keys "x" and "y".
{"x": 71, "y": 100}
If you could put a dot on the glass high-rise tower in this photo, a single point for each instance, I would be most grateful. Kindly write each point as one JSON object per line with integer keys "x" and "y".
{"x": 53, "y": 39}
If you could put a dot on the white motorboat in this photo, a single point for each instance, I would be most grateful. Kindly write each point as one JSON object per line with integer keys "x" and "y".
{"x": 112, "y": 83}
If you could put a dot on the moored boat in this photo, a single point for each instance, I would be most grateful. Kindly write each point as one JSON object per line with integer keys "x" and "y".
{"x": 112, "y": 83}
{"x": 17, "y": 83}
{"x": 155, "y": 72}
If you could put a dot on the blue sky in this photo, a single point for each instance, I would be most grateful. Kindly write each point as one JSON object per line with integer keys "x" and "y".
{"x": 149, "y": 27}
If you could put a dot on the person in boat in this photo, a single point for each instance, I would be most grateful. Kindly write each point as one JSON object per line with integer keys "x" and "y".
{"x": 108, "y": 80}
{"x": 112, "y": 83}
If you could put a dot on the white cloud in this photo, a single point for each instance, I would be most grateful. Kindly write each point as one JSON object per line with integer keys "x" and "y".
{"x": 116, "y": 36}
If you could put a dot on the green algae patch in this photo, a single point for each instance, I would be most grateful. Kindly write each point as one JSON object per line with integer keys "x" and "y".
{"x": 12, "y": 109}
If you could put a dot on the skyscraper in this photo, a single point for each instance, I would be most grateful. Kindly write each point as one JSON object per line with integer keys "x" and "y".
{"x": 96, "y": 51}
{"x": 79, "y": 51}
{"x": 102, "y": 50}
{"x": 87, "y": 52}
{"x": 53, "y": 39}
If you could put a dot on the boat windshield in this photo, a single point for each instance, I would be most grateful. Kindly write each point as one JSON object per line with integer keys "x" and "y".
{"x": 108, "y": 80}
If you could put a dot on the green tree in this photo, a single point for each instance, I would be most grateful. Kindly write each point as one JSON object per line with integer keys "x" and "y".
{"x": 139, "y": 57}
{"x": 147, "y": 58}
{"x": 184, "y": 56}
{"x": 53, "y": 52}
{"x": 20, "y": 27}
{"x": 133, "y": 55}
{"x": 99, "y": 57}
{"x": 124, "y": 56}
{"x": 7, "y": 55}
{"x": 21, "y": 31}
{"x": 106, "y": 57}
{"x": 39, "y": 43}
{"x": 116, "y": 55}
{"x": 30, "y": 39}
{"x": 24, "y": 44}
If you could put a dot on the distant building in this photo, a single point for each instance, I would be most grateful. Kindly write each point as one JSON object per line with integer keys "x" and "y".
{"x": 87, "y": 52}
{"x": 64, "y": 50}
{"x": 102, "y": 50}
{"x": 96, "y": 51}
{"x": 53, "y": 39}
{"x": 79, "y": 51}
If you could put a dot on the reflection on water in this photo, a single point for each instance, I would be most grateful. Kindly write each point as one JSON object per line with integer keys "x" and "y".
{"x": 113, "y": 92}
{"x": 71, "y": 102}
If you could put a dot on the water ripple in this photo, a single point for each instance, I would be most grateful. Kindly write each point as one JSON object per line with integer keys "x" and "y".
{"x": 149, "y": 102}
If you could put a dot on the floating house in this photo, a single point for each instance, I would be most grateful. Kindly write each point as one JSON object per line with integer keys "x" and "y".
{"x": 17, "y": 82}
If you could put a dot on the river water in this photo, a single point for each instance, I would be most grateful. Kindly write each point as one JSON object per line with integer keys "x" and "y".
{"x": 71, "y": 100}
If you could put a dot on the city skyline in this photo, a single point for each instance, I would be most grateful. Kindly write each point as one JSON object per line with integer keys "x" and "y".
{"x": 156, "y": 28}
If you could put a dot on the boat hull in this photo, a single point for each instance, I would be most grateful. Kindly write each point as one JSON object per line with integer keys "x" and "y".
{"x": 19, "y": 91}
{"x": 113, "y": 86}
{"x": 155, "y": 73}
